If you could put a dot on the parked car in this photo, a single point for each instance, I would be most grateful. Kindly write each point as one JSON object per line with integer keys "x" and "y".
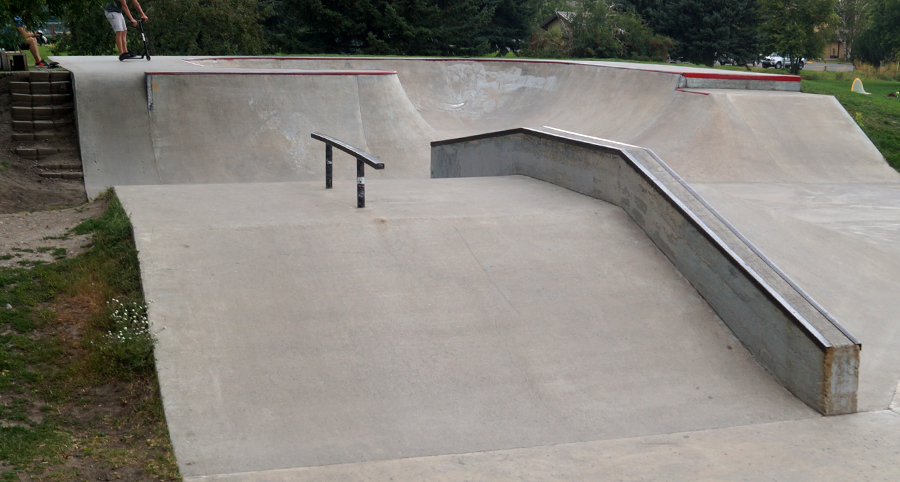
{"x": 724, "y": 59}
{"x": 780, "y": 62}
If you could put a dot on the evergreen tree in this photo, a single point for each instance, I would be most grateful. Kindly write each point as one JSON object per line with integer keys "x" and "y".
{"x": 510, "y": 26}
{"x": 648, "y": 10}
{"x": 707, "y": 29}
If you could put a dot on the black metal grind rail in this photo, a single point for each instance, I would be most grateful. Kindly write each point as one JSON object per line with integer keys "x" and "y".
{"x": 362, "y": 158}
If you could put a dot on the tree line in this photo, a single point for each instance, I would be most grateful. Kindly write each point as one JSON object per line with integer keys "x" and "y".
{"x": 698, "y": 31}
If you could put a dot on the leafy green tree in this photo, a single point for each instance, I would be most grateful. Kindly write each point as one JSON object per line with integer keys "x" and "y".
{"x": 598, "y": 30}
{"x": 544, "y": 9}
{"x": 405, "y": 27}
{"x": 593, "y": 31}
{"x": 32, "y": 12}
{"x": 799, "y": 28}
{"x": 89, "y": 31}
{"x": 707, "y": 29}
{"x": 177, "y": 27}
{"x": 206, "y": 27}
{"x": 639, "y": 41}
{"x": 367, "y": 26}
{"x": 880, "y": 40}
{"x": 853, "y": 15}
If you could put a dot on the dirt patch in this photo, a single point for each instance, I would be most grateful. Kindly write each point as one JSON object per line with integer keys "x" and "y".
{"x": 44, "y": 235}
{"x": 21, "y": 186}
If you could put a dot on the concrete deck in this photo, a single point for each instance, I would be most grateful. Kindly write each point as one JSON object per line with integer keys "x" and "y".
{"x": 482, "y": 329}
{"x": 860, "y": 447}
{"x": 449, "y": 316}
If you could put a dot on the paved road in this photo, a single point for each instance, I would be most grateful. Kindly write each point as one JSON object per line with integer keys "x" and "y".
{"x": 830, "y": 66}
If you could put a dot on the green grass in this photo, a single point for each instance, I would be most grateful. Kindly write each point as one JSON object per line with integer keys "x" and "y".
{"x": 76, "y": 336}
{"x": 877, "y": 114}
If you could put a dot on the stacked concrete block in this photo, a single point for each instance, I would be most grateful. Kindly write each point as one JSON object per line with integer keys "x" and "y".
{"x": 41, "y": 107}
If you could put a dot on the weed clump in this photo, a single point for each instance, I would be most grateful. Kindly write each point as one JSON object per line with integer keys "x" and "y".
{"x": 126, "y": 348}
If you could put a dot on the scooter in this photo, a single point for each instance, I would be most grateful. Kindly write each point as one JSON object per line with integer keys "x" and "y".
{"x": 146, "y": 54}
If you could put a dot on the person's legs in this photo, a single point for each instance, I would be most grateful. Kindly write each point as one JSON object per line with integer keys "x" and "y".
{"x": 118, "y": 24}
{"x": 30, "y": 43}
{"x": 33, "y": 47}
{"x": 122, "y": 41}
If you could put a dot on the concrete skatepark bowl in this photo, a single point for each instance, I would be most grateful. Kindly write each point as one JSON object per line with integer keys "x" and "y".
{"x": 566, "y": 270}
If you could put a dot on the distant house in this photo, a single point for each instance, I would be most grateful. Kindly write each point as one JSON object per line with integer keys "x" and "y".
{"x": 559, "y": 20}
{"x": 835, "y": 50}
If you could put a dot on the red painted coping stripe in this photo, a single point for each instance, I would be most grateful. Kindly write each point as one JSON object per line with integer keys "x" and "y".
{"x": 696, "y": 75}
{"x": 268, "y": 72}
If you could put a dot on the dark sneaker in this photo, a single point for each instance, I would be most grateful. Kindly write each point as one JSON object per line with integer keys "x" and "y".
{"x": 41, "y": 64}
{"x": 124, "y": 56}
{"x": 132, "y": 55}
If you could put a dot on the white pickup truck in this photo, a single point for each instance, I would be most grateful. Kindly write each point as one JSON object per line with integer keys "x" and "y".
{"x": 778, "y": 61}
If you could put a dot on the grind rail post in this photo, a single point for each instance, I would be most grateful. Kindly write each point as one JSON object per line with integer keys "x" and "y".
{"x": 362, "y": 158}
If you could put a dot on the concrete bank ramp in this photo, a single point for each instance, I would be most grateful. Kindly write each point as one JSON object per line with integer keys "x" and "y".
{"x": 256, "y": 128}
{"x": 707, "y": 135}
{"x": 449, "y": 316}
{"x": 248, "y": 120}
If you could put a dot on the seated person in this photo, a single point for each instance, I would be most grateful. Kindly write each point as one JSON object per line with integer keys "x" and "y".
{"x": 31, "y": 43}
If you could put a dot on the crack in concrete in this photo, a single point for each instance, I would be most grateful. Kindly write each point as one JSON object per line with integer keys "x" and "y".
{"x": 895, "y": 402}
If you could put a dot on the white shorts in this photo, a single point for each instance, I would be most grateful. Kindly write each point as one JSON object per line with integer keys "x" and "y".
{"x": 117, "y": 20}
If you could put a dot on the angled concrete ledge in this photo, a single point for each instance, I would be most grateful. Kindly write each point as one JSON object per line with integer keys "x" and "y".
{"x": 739, "y": 81}
{"x": 790, "y": 334}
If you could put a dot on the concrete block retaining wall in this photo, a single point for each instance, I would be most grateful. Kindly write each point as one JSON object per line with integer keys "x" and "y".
{"x": 794, "y": 338}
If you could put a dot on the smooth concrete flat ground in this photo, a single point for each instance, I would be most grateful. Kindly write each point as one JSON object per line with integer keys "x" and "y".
{"x": 448, "y": 316}
{"x": 857, "y": 447}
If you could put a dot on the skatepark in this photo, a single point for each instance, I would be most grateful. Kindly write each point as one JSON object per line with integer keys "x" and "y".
{"x": 565, "y": 270}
